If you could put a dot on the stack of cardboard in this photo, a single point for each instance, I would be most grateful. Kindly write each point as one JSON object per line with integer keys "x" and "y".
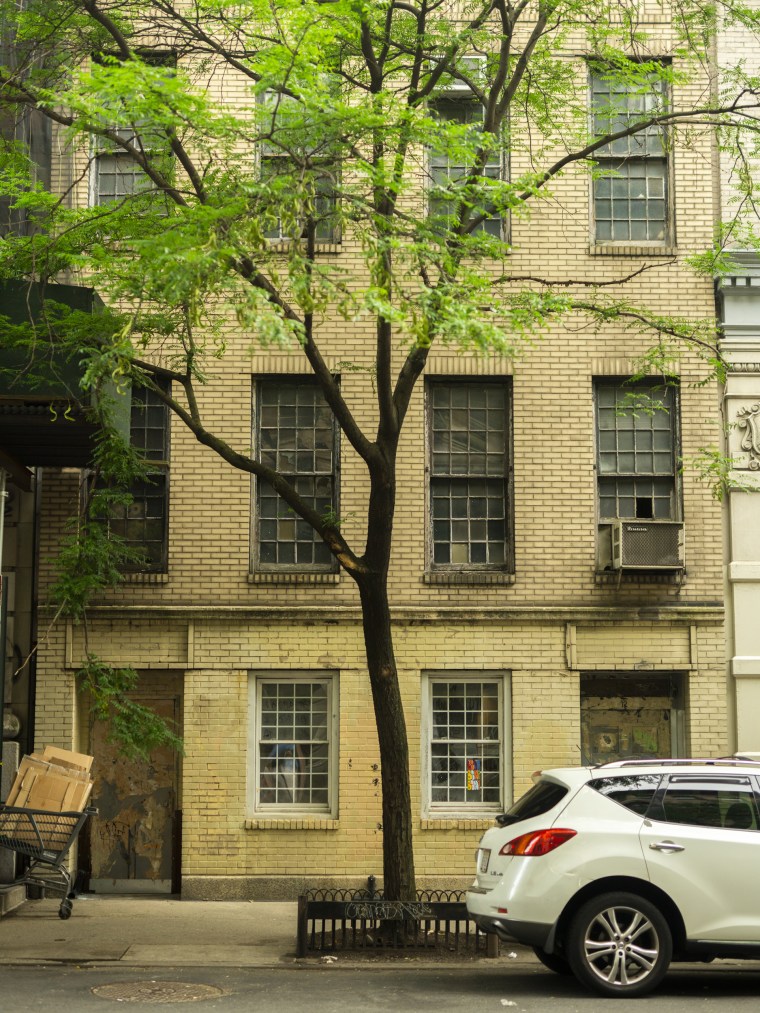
{"x": 56, "y": 781}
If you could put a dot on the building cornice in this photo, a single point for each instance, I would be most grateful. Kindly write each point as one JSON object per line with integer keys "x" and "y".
{"x": 708, "y": 612}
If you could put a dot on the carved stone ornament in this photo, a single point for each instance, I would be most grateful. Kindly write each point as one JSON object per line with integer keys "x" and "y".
{"x": 748, "y": 421}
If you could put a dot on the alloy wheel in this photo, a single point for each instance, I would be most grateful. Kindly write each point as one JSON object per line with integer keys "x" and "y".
{"x": 619, "y": 944}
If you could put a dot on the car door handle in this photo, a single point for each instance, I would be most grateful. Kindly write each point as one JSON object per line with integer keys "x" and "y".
{"x": 667, "y": 846}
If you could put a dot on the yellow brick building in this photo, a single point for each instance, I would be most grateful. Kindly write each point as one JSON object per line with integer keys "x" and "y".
{"x": 578, "y": 650}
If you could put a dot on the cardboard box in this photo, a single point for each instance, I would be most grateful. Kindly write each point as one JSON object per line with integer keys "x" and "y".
{"x": 67, "y": 758}
{"x": 57, "y": 781}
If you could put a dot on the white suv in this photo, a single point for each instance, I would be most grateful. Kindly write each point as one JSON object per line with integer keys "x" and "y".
{"x": 611, "y": 872}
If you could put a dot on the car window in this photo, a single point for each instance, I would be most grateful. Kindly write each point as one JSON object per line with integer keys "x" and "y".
{"x": 726, "y": 804}
{"x": 539, "y": 799}
{"x": 634, "y": 791}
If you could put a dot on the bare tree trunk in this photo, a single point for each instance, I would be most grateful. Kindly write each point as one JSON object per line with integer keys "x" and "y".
{"x": 398, "y": 853}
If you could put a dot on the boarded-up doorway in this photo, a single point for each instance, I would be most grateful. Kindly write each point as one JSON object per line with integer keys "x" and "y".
{"x": 135, "y": 840}
{"x": 628, "y": 715}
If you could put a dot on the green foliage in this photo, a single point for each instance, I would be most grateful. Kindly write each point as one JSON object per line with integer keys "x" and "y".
{"x": 137, "y": 729}
{"x": 316, "y": 105}
{"x": 717, "y": 470}
{"x": 92, "y": 560}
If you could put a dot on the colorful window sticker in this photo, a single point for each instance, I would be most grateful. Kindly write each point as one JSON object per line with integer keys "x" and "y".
{"x": 473, "y": 775}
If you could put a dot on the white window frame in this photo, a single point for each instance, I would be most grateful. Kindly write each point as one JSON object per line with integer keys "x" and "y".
{"x": 479, "y": 810}
{"x": 256, "y": 679}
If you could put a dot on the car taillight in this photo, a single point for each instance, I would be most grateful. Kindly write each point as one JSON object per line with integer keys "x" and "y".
{"x": 538, "y": 842}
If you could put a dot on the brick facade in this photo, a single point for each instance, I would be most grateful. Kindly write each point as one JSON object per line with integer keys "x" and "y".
{"x": 217, "y": 623}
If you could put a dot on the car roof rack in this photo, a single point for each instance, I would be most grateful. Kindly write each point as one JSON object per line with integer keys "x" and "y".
{"x": 740, "y": 760}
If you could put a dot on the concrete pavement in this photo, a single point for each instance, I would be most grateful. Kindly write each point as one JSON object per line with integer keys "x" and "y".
{"x": 168, "y": 932}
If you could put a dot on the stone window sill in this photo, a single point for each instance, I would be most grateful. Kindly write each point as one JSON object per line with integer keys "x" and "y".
{"x": 469, "y": 577}
{"x": 320, "y": 249}
{"x": 292, "y": 823}
{"x": 479, "y": 822}
{"x": 607, "y": 578}
{"x": 146, "y": 578}
{"x": 631, "y": 250}
{"x": 267, "y": 577}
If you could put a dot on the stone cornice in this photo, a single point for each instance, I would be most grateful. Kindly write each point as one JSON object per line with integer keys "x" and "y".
{"x": 707, "y": 612}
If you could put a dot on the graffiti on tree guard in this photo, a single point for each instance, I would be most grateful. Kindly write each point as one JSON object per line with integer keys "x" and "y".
{"x": 391, "y": 910}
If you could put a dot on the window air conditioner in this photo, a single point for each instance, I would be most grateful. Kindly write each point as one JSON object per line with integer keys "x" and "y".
{"x": 647, "y": 545}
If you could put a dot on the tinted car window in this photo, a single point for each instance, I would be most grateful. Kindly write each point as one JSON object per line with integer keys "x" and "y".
{"x": 634, "y": 791}
{"x": 539, "y": 799}
{"x": 710, "y": 803}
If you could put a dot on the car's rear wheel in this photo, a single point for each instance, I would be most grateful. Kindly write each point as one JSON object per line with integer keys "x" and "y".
{"x": 619, "y": 944}
{"x": 554, "y": 961}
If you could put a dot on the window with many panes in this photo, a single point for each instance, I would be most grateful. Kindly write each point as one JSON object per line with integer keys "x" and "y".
{"x": 293, "y": 728}
{"x": 143, "y": 523}
{"x": 464, "y": 751}
{"x": 636, "y": 451}
{"x": 296, "y": 435}
{"x": 450, "y": 166}
{"x": 469, "y": 468}
{"x": 115, "y": 175}
{"x": 630, "y": 188}
{"x": 296, "y": 162}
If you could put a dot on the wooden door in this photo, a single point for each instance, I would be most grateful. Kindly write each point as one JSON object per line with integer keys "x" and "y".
{"x": 134, "y": 839}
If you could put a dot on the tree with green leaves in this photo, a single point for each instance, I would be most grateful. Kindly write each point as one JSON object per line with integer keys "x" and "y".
{"x": 244, "y": 135}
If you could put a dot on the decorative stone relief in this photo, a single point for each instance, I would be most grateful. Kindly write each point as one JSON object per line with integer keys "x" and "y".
{"x": 748, "y": 422}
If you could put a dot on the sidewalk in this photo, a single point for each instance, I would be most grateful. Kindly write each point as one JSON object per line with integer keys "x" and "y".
{"x": 166, "y": 932}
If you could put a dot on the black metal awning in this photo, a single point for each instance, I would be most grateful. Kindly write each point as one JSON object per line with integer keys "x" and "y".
{"x": 42, "y": 421}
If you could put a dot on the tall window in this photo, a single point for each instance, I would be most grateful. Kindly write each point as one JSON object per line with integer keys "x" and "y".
{"x": 143, "y": 524}
{"x": 450, "y": 165}
{"x": 636, "y": 451}
{"x": 468, "y": 440}
{"x": 464, "y": 752}
{"x": 631, "y": 191}
{"x": 116, "y": 174}
{"x": 300, "y": 168}
{"x": 296, "y": 435}
{"x": 293, "y": 728}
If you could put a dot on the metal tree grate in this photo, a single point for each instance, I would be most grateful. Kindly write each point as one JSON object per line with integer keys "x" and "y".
{"x": 330, "y": 920}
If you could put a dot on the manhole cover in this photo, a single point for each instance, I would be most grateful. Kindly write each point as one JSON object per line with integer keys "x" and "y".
{"x": 157, "y": 991}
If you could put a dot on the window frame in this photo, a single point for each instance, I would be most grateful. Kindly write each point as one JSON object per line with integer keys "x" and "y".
{"x": 610, "y": 160}
{"x": 459, "y": 810}
{"x": 159, "y": 467}
{"x": 455, "y": 95}
{"x": 101, "y": 148}
{"x": 266, "y": 153}
{"x": 507, "y": 566}
{"x": 256, "y": 565}
{"x": 675, "y": 431}
{"x": 277, "y": 810}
